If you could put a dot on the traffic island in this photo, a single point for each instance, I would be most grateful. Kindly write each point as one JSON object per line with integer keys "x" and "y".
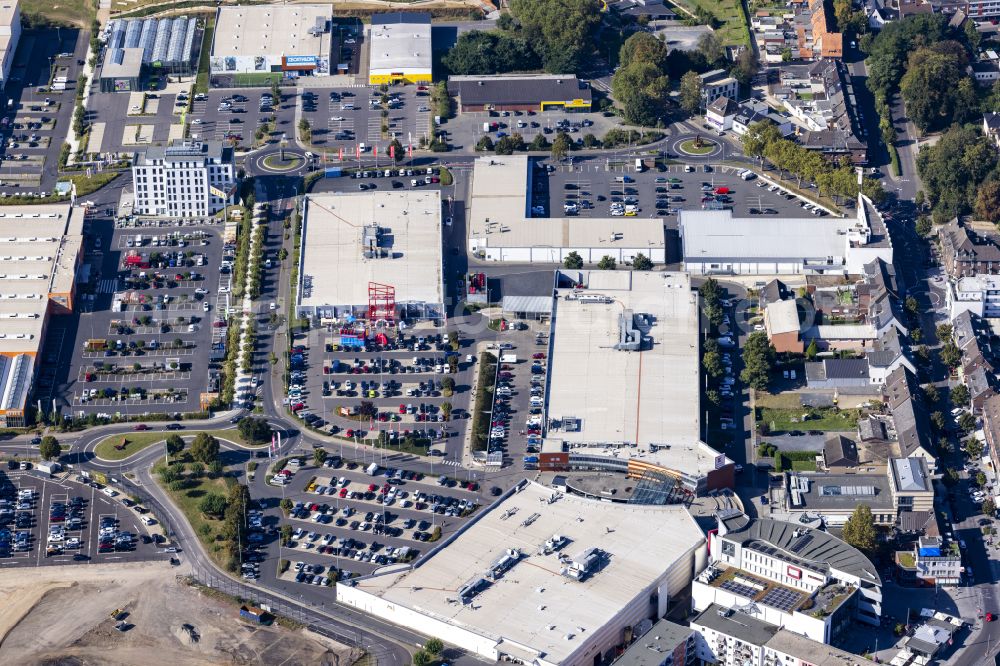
{"x": 291, "y": 162}
{"x": 698, "y": 146}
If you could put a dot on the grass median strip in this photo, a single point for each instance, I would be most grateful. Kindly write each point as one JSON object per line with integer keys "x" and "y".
{"x": 110, "y": 448}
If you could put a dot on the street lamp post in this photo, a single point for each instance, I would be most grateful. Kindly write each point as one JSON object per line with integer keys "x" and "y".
{"x": 282, "y": 144}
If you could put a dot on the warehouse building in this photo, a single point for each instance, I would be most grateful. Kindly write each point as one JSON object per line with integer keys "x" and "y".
{"x": 520, "y": 92}
{"x": 715, "y": 242}
{"x": 352, "y": 244}
{"x": 542, "y": 578}
{"x": 400, "y": 48}
{"x": 644, "y": 418}
{"x": 501, "y": 227}
{"x": 10, "y": 35}
{"x": 187, "y": 179}
{"x": 42, "y": 250}
{"x": 138, "y": 46}
{"x": 292, "y": 40}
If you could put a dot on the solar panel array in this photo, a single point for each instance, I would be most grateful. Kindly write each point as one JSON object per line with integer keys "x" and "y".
{"x": 782, "y": 598}
{"x": 801, "y": 543}
{"x": 739, "y": 588}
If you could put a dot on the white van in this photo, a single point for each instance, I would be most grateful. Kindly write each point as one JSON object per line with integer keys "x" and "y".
{"x": 639, "y": 166}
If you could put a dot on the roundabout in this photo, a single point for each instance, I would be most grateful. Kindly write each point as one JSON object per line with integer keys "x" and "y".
{"x": 697, "y": 147}
{"x": 273, "y": 162}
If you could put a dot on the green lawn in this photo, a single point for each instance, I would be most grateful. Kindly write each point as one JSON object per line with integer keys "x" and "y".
{"x": 803, "y": 465}
{"x": 692, "y": 148}
{"x": 733, "y": 28}
{"x": 67, "y": 12}
{"x": 187, "y": 499}
{"x": 201, "y": 81}
{"x": 825, "y": 419}
{"x": 139, "y": 441}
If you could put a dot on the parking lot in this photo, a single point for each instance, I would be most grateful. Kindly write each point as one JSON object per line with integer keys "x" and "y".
{"x": 350, "y": 521}
{"x": 342, "y": 117}
{"x": 130, "y": 122}
{"x": 590, "y": 188}
{"x": 46, "y": 521}
{"x": 36, "y": 119}
{"x": 150, "y": 318}
{"x": 404, "y": 381}
{"x": 466, "y": 129}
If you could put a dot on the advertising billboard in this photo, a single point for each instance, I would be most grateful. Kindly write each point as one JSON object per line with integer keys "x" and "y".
{"x": 300, "y": 62}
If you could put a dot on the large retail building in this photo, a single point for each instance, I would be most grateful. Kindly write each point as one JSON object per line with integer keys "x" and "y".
{"x": 263, "y": 39}
{"x": 400, "y": 48}
{"x": 542, "y": 578}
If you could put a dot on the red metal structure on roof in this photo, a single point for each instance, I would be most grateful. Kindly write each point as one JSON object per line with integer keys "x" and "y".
{"x": 381, "y": 303}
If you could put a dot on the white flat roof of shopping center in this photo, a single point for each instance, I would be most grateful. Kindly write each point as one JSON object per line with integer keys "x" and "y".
{"x": 334, "y": 269}
{"x": 636, "y": 397}
{"x": 39, "y": 246}
{"x": 271, "y": 30}
{"x": 499, "y": 215}
{"x": 400, "y": 42}
{"x": 533, "y": 605}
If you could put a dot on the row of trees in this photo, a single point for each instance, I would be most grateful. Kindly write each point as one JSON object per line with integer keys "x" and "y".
{"x": 640, "y": 262}
{"x": 763, "y": 141}
{"x": 556, "y": 35}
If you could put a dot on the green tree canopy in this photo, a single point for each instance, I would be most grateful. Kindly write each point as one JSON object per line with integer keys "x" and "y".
{"x": 641, "y": 262}
{"x": 254, "y": 430}
{"x": 213, "y": 505}
{"x": 929, "y": 85}
{"x": 174, "y": 444}
{"x": 493, "y": 52}
{"x": 561, "y": 31}
{"x": 607, "y": 263}
{"x": 205, "y": 448}
{"x": 573, "y": 260}
{"x": 758, "y": 360}
{"x": 643, "y": 47}
{"x": 641, "y": 89}
{"x": 859, "y": 530}
{"x": 49, "y": 448}
{"x": 953, "y": 169}
{"x": 960, "y": 396}
{"x": 690, "y": 92}
{"x": 987, "y": 202}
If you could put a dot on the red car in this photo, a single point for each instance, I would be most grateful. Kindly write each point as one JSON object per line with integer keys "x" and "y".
{"x": 372, "y": 487}
{"x": 402, "y": 408}
{"x": 297, "y": 406}
{"x": 314, "y": 507}
{"x": 140, "y": 426}
{"x": 471, "y": 485}
{"x": 350, "y": 432}
{"x": 538, "y": 355}
{"x": 343, "y": 492}
{"x": 990, "y": 617}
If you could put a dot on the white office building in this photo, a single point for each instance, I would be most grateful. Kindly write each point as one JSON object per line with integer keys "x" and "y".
{"x": 978, "y": 294}
{"x": 189, "y": 179}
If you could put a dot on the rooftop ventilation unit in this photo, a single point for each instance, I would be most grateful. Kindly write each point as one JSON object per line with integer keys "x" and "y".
{"x": 629, "y": 337}
{"x": 371, "y": 236}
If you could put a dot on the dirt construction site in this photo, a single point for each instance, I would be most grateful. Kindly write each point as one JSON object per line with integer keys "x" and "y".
{"x": 64, "y": 616}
